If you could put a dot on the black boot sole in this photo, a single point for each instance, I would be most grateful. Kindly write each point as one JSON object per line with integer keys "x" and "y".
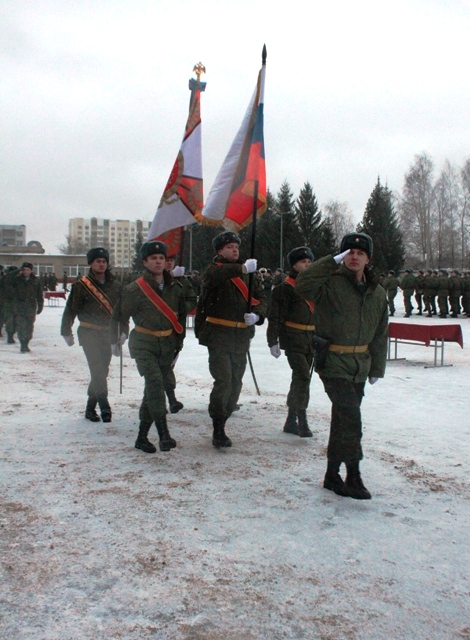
{"x": 177, "y": 406}
{"x": 337, "y": 488}
{"x": 221, "y": 444}
{"x": 167, "y": 446}
{"x": 147, "y": 448}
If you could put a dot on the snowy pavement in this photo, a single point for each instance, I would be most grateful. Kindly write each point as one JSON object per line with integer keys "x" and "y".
{"x": 100, "y": 540}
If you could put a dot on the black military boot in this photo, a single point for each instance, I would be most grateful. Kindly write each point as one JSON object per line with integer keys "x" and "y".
{"x": 175, "y": 405}
{"x": 24, "y": 346}
{"x": 142, "y": 441}
{"x": 333, "y": 481}
{"x": 304, "y": 429}
{"x": 291, "y": 425}
{"x": 219, "y": 437}
{"x": 354, "y": 485}
{"x": 90, "y": 411}
{"x": 11, "y": 339}
{"x": 166, "y": 441}
{"x": 106, "y": 413}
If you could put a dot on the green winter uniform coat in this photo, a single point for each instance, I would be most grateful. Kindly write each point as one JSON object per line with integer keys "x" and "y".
{"x": 228, "y": 345}
{"x": 408, "y": 284}
{"x": 347, "y": 313}
{"x": 222, "y": 300}
{"x": 287, "y": 305}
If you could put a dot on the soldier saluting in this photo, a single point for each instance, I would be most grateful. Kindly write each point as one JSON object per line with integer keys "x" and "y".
{"x": 92, "y": 299}
{"x": 351, "y": 313}
{"x": 156, "y": 302}
{"x": 224, "y": 325}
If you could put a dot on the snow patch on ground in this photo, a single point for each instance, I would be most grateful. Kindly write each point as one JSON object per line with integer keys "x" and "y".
{"x": 100, "y": 540}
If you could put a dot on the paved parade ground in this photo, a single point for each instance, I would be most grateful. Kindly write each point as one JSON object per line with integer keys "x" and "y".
{"x": 100, "y": 540}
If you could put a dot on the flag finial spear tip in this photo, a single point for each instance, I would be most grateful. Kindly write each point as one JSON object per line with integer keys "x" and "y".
{"x": 198, "y": 69}
{"x": 264, "y": 54}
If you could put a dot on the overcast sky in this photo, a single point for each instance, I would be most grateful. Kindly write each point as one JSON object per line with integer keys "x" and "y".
{"x": 94, "y": 97}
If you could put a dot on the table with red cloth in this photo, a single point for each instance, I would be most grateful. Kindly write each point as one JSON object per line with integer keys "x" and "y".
{"x": 53, "y": 297}
{"x": 425, "y": 334}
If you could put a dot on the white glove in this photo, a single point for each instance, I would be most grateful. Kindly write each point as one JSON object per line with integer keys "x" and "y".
{"x": 372, "y": 380}
{"x": 250, "y": 265}
{"x": 340, "y": 256}
{"x": 69, "y": 339}
{"x": 122, "y": 339}
{"x": 251, "y": 318}
{"x": 116, "y": 349}
{"x": 178, "y": 272}
{"x": 275, "y": 350}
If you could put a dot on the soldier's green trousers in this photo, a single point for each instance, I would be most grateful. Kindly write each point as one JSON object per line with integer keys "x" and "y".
{"x": 346, "y": 425}
{"x": 24, "y": 326}
{"x": 391, "y": 297}
{"x": 9, "y": 318}
{"x": 443, "y": 305}
{"x": 299, "y": 392}
{"x": 227, "y": 368}
{"x": 97, "y": 350}
{"x": 408, "y": 304}
{"x": 153, "y": 357}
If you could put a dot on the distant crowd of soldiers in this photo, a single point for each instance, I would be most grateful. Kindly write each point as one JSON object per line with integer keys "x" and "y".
{"x": 451, "y": 290}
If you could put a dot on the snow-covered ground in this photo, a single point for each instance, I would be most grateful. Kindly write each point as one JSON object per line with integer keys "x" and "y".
{"x": 100, "y": 540}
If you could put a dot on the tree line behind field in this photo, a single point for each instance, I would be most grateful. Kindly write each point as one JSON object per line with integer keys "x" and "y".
{"x": 425, "y": 226}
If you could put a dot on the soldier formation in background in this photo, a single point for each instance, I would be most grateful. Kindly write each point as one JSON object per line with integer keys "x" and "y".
{"x": 437, "y": 292}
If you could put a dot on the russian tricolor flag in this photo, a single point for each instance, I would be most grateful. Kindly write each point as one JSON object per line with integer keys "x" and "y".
{"x": 243, "y": 172}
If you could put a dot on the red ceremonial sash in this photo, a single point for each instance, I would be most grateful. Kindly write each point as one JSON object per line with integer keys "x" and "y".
{"x": 241, "y": 286}
{"x": 160, "y": 304}
{"x": 99, "y": 296}
{"x": 291, "y": 281}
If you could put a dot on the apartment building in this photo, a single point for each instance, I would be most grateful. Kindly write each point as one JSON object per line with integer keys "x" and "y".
{"x": 12, "y": 235}
{"x": 119, "y": 236}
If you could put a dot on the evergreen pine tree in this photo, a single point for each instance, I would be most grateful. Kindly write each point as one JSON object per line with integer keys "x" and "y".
{"x": 308, "y": 217}
{"x": 327, "y": 242}
{"x": 285, "y": 209}
{"x": 267, "y": 235}
{"x": 381, "y": 223}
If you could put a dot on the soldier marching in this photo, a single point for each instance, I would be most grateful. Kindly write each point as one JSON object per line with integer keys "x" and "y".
{"x": 330, "y": 316}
